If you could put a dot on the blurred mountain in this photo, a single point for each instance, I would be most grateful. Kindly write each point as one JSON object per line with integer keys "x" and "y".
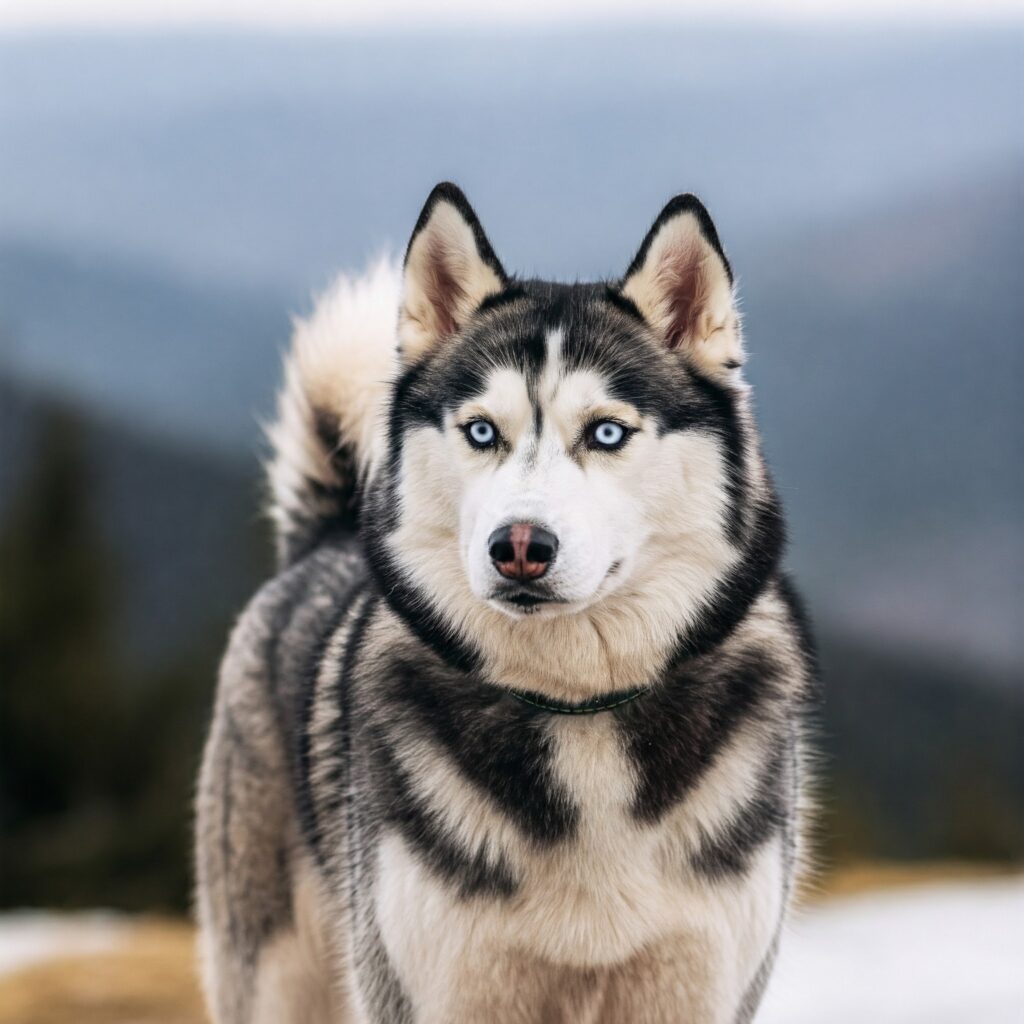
{"x": 271, "y": 160}
{"x": 187, "y": 360}
{"x": 886, "y": 353}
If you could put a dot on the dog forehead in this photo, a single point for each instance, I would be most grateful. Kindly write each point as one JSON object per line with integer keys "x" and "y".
{"x": 559, "y": 392}
{"x": 545, "y": 320}
{"x": 567, "y": 347}
{"x": 506, "y": 397}
{"x": 574, "y": 391}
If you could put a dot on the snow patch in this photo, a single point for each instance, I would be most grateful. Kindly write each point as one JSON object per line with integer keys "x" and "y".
{"x": 28, "y": 937}
{"x": 940, "y": 954}
{"x": 943, "y": 954}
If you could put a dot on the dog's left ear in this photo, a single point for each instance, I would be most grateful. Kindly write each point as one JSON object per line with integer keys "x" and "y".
{"x": 681, "y": 282}
{"x": 450, "y": 268}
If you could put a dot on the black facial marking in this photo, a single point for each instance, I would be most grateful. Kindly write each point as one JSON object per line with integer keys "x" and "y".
{"x": 411, "y": 605}
{"x": 741, "y": 586}
{"x": 717, "y": 414}
{"x": 413, "y": 403}
{"x": 624, "y": 305}
{"x": 509, "y": 295}
{"x": 534, "y": 355}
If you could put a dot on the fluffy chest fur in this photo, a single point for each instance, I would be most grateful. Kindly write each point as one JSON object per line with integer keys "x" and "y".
{"x": 583, "y": 839}
{"x": 615, "y": 890}
{"x": 593, "y": 897}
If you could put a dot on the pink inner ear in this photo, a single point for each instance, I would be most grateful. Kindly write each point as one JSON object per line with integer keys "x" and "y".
{"x": 444, "y": 291}
{"x": 679, "y": 280}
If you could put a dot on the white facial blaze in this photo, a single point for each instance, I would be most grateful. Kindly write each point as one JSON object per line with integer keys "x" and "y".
{"x": 552, "y": 374}
{"x": 541, "y": 483}
{"x": 546, "y": 476}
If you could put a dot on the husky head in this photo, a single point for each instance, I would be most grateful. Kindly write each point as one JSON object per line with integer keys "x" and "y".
{"x": 571, "y": 474}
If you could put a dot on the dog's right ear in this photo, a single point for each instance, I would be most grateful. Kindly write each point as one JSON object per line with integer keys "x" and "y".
{"x": 450, "y": 268}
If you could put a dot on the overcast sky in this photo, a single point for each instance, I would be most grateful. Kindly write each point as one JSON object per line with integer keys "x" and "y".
{"x": 22, "y": 14}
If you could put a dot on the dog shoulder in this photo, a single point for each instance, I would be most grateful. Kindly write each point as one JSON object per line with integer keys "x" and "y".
{"x": 279, "y": 638}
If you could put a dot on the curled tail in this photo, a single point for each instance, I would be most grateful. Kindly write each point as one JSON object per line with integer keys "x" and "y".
{"x": 328, "y": 433}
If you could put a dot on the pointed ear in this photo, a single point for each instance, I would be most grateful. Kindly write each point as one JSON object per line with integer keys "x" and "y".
{"x": 450, "y": 268}
{"x": 681, "y": 282}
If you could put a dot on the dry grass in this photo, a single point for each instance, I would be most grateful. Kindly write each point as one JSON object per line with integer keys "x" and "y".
{"x": 152, "y": 979}
{"x": 873, "y": 876}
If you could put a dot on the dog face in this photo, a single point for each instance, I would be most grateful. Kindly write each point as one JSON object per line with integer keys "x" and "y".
{"x": 548, "y": 459}
{"x": 555, "y": 445}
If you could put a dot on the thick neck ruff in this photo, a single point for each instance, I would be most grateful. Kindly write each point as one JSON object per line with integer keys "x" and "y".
{"x": 602, "y": 702}
{"x": 712, "y": 622}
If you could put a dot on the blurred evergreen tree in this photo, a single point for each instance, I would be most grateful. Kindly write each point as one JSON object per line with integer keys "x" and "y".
{"x": 96, "y": 768}
{"x": 59, "y": 696}
{"x": 58, "y": 699}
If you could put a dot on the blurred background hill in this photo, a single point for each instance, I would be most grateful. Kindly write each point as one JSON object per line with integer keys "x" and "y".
{"x": 168, "y": 201}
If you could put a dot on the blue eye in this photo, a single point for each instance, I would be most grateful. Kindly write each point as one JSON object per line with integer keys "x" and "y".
{"x": 607, "y": 435}
{"x": 481, "y": 433}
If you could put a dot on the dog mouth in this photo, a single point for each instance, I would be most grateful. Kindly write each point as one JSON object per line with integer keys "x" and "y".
{"x": 533, "y": 598}
{"x": 526, "y": 600}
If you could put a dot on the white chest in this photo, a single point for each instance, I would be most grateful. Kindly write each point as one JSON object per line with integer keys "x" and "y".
{"x": 594, "y": 899}
{"x": 613, "y": 893}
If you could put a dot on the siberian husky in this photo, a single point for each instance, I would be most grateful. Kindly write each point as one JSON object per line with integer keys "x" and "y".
{"x": 514, "y": 735}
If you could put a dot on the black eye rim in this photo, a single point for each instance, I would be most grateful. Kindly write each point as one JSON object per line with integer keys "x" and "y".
{"x": 590, "y": 435}
{"x": 480, "y": 446}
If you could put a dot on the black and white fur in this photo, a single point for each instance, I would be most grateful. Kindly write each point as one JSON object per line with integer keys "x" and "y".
{"x": 433, "y": 795}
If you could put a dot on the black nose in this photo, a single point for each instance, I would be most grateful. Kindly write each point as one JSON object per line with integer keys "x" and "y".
{"x": 522, "y": 551}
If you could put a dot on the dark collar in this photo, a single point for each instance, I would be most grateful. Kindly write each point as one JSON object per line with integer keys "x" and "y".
{"x": 602, "y": 702}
